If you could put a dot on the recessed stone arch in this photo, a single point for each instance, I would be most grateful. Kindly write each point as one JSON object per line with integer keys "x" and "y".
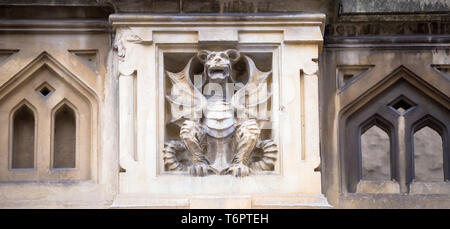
{"x": 70, "y": 92}
{"x": 23, "y": 128}
{"x": 64, "y": 136}
{"x": 362, "y": 159}
{"x": 430, "y": 150}
{"x": 375, "y": 149}
{"x": 400, "y": 89}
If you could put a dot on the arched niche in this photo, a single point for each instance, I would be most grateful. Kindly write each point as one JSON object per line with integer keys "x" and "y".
{"x": 23, "y": 137}
{"x": 369, "y": 149}
{"x": 430, "y": 150}
{"x": 52, "y": 90}
{"x": 64, "y": 136}
{"x": 403, "y": 100}
{"x": 375, "y": 150}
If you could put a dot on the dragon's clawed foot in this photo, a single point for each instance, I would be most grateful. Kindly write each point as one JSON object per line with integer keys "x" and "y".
{"x": 238, "y": 170}
{"x": 201, "y": 169}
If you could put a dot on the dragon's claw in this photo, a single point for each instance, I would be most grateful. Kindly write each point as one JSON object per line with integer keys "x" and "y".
{"x": 238, "y": 170}
{"x": 201, "y": 169}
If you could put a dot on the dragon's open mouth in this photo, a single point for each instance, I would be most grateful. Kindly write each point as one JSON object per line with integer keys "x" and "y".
{"x": 218, "y": 72}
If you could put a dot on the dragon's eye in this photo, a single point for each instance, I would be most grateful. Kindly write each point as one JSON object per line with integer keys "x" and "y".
{"x": 211, "y": 56}
{"x": 223, "y": 55}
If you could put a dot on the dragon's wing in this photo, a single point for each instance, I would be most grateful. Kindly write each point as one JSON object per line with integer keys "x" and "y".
{"x": 186, "y": 101}
{"x": 251, "y": 101}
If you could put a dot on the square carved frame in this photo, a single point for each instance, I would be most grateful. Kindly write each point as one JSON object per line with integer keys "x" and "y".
{"x": 273, "y": 49}
{"x": 294, "y": 41}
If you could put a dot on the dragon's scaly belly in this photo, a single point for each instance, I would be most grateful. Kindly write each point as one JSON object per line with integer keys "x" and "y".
{"x": 219, "y": 119}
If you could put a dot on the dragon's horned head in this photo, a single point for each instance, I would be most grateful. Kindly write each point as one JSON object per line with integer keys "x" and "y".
{"x": 218, "y": 63}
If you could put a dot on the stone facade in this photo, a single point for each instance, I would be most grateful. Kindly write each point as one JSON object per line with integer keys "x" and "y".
{"x": 224, "y": 104}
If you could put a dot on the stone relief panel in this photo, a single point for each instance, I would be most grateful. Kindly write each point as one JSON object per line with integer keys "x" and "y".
{"x": 204, "y": 101}
{"x": 218, "y": 105}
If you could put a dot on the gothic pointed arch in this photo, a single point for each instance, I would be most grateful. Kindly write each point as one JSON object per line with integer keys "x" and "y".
{"x": 402, "y": 99}
{"x": 375, "y": 149}
{"x": 47, "y": 84}
{"x": 64, "y": 135}
{"x": 431, "y": 149}
{"x": 22, "y": 136}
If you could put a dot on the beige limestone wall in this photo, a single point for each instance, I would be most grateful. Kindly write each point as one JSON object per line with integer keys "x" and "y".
{"x": 77, "y": 56}
{"x": 72, "y": 65}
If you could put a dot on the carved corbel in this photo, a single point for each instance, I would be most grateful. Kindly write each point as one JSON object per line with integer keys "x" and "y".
{"x": 124, "y": 38}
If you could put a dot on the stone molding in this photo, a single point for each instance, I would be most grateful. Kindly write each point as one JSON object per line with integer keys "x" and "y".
{"x": 293, "y": 41}
{"x": 61, "y": 26}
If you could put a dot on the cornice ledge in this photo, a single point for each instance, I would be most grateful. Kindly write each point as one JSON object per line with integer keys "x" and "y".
{"x": 213, "y": 20}
{"x": 39, "y": 25}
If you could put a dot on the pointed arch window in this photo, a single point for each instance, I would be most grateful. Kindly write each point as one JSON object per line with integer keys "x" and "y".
{"x": 413, "y": 126}
{"x": 64, "y": 141}
{"x": 375, "y": 152}
{"x": 50, "y": 121}
{"x": 430, "y": 159}
{"x": 23, "y": 141}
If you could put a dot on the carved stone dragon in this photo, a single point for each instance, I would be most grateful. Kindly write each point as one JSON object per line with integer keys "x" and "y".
{"x": 220, "y": 128}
